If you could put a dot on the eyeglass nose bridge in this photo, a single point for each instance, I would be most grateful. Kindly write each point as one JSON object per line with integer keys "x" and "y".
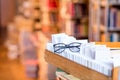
{"x": 67, "y": 46}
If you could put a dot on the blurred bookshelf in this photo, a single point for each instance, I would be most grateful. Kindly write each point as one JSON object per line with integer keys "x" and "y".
{"x": 95, "y": 20}
{"x": 68, "y": 16}
{"x": 50, "y": 16}
{"x": 74, "y": 18}
{"x": 114, "y": 21}
{"x": 104, "y": 20}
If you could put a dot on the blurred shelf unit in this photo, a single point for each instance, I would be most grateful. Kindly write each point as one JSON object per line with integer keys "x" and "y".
{"x": 104, "y": 20}
{"x": 55, "y": 16}
{"x": 74, "y": 18}
{"x": 113, "y": 22}
{"x": 50, "y": 16}
{"x": 30, "y": 9}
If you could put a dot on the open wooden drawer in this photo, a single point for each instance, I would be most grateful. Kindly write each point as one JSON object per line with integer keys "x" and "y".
{"x": 78, "y": 70}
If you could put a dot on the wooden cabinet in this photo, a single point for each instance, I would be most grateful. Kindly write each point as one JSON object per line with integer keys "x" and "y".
{"x": 78, "y": 70}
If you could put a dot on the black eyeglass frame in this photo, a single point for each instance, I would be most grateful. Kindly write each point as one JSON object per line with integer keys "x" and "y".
{"x": 66, "y": 46}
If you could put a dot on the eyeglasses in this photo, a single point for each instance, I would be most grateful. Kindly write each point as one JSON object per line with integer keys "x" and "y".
{"x": 73, "y": 47}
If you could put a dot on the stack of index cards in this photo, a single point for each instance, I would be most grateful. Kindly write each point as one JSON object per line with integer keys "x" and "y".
{"x": 90, "y": 55}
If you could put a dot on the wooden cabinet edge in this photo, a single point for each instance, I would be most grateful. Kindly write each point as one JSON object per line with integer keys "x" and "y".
{"x": 116, "y": 73}
{"x": 82, "y": 72}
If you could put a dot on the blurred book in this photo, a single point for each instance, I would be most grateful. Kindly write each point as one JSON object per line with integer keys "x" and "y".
{"x": 64, "y": 76}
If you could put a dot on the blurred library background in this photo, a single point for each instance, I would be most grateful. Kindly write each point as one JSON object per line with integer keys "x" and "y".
{"x": 21, "y": 21}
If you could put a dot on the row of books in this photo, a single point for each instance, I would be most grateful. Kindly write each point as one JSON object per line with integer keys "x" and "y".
{"x": 77, "y": 10}
{"x": 114, "y": 37}
{"x": 77, "y": 30}
{"x": 80, "y": 30}
{"x": 114, "y": 1}
{"x": 113, "y": 18}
